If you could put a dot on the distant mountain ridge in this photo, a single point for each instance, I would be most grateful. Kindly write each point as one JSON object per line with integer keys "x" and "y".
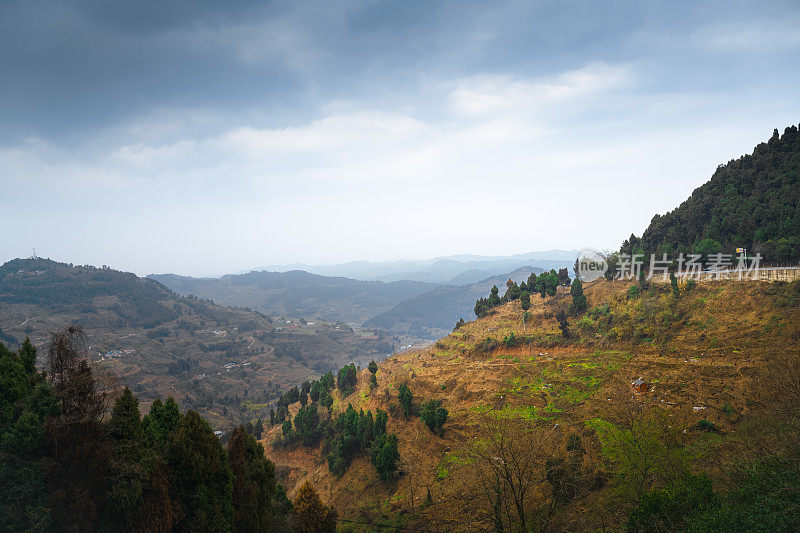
{"x": 297, "y": 293}
{"x": 432, "y": 315}
{"x": 442, "y": 270}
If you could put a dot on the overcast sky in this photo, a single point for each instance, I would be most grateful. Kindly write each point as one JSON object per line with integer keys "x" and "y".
{"x": 210, "y": 137}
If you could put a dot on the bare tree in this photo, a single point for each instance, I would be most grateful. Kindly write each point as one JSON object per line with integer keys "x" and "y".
{"x": 66, "y": 349}
{"x": 510, "y": 458}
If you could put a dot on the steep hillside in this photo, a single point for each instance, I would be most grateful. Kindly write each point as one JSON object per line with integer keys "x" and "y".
{"x": 433, "y": 314}
{"x": 226, "y": 363}
{"x": 715, "y": 364}
{"x": 751, "y": 202}
{"x": 299, "y": 294}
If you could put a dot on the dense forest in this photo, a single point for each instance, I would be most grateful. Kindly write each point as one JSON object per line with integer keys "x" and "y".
{"x": 75, "y": 455}
{"x": 750, "y": 202}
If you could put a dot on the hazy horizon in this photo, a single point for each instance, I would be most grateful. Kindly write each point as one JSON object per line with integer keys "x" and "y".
{"x": 201, "y": 139}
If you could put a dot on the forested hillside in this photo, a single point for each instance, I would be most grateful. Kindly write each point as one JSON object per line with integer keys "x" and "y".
{"x": 76, "y": 455}
{"x": 750, "y": 202}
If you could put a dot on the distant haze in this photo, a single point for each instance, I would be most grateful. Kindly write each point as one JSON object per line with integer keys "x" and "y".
{"x": 204, "y": 138}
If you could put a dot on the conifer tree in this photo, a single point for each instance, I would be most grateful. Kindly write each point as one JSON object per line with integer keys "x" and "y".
{"x": 578, "y": 298}
{"x": 254, "y": 484}
{"x": 201, "y": 475}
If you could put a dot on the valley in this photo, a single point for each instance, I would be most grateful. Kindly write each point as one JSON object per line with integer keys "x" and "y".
{"x": 227, "y": 363}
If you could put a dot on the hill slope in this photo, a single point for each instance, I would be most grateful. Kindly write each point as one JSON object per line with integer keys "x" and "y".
{"x": 226, "y": 363}
{"x": 299, "y": 294}
{"x": 704, "y": 356}
{"x": 433, "y": 314}
{"x": 751, "y": 202}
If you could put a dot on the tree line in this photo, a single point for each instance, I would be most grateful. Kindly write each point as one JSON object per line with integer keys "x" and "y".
{"x": 545, "y": 284}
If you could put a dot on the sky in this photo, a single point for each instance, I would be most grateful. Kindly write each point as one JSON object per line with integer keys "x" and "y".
{"x": 208, "y": 137}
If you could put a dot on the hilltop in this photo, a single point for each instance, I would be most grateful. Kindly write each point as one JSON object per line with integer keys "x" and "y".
{"x": 708, "y": 361}
{"x": 751, "y": 202}
{"x": 299, "y": 294}
{"x": 227, "y": 363}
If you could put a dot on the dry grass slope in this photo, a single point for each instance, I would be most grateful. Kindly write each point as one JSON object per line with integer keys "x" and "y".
{"x": 700, "y": 356}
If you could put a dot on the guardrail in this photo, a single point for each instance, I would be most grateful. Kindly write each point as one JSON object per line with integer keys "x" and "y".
{"x": 756, "y": 274}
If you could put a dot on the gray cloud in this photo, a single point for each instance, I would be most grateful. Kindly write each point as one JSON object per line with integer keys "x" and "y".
{"x": 206, "y": 137}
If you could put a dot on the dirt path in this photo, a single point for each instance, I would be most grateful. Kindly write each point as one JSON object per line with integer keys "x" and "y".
{"x": 19, "y": 325}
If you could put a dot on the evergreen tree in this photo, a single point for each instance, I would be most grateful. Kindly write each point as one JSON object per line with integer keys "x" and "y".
{"x": 254, "y": 484}
{"x": 162, "y": 420}
{"x": 434, "y": 416}
{"x": 525, "y": 300}
{"x": 328, "y": 381}
{"x": 201, "y": 475}
{"x": 27, "y": 355}
{"x": 316, "y": 390}
{"x": 673, "y": 281}
{"x": 373, "y": 366}
{"x": 306, "y": 423}
{"x": 132, "y": 463}
{"x": 26, "y": 400}
{"x": 327, "y": 400}
{"x": 406, "y": 399}
{"x": 578, "y": 298}
{"x": 384, "y": 456}
{"x": 347, "y": 379}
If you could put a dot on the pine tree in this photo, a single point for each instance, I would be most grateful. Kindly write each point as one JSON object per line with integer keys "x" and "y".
{"x": 254, "y": 482}
{"x": 202, "y": 475}
{"x": 132, "y": 464}
{"x": 406, "y": 398}
{"x": 578, "y": 298}
{"x": 673, "y": 281}
{"x": 27, "y": 354}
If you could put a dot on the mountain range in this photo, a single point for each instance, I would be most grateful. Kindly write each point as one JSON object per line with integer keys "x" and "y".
{"x": 449, "y": 270}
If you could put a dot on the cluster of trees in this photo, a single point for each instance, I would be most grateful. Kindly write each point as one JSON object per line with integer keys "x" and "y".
{"x": 431, "y": 412}
{"x": 75, "y": 455}
{"x": 545, "y": 284}
{"x": 319, "y": 392}
{"x": 750, "y": 202}
{"x": 349, "y": 434}
{"x": 347, "y": 379}
{"x": 359, "y": 432}
{"x": 316, "y": 391}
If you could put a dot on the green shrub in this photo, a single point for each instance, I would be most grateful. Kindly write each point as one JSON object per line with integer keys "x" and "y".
{"x": 434, "y": 416}
{"x": 673, "y": 508}
{"x": 706, "y": 425}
